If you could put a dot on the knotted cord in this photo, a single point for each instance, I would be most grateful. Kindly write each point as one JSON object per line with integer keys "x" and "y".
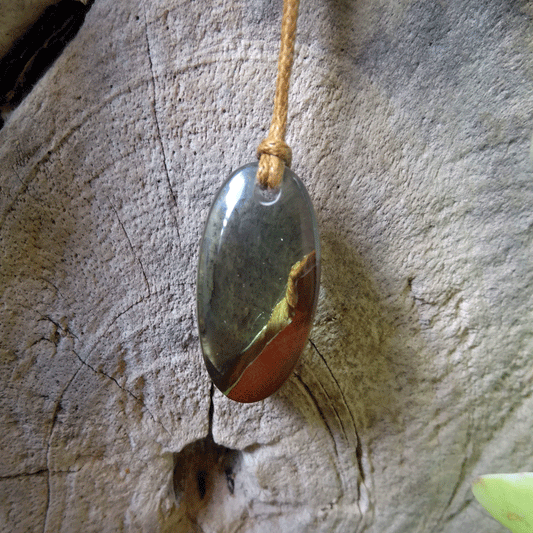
{"x": 273, "y": 152}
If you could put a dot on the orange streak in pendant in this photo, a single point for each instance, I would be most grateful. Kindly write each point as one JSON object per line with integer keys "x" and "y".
{"x": 275, "y": 363}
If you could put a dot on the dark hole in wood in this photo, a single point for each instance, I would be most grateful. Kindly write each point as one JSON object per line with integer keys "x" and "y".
{"x": 201, "y": 479}
{"x": 230, "y": 479}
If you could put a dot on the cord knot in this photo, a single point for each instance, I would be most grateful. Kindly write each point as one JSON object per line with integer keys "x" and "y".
{"x": 273, "y": 156}
{"x": 279, "y": 149}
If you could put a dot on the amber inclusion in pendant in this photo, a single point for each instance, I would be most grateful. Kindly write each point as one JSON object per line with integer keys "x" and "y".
{"x": 258, "y": 278}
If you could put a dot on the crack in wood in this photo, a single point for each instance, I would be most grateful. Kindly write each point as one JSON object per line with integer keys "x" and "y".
{"x": 100, "y": 372}
{"x": 64, "y": 329}
{"x": 39, "y": 472}
{"x": 323, "y": 417}
{"x": 320, "y": 412}
{"x": 358, "y": 440}
{"x": 211, "y": 412}
{"x": 463, "y": 506}
{"x": 460, "y": 479}
{"x": 57, "y": 408}
{"x": 115, "y": 318}
{"x": 158, "y": 129}
{"x": 358, "y": 448}
{"x": 131, "y": 246}
{"x": 344, "y": 434}
{"x": 51, "y": 284}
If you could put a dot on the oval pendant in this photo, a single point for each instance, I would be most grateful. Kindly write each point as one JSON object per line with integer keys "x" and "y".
{"x": 258, "y": 280}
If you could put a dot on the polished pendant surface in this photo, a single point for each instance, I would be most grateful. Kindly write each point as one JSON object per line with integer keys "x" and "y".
{"x": 258, "y": 280}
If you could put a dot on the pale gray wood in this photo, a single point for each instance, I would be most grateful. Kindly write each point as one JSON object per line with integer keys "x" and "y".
{"x": 410, "y": 123}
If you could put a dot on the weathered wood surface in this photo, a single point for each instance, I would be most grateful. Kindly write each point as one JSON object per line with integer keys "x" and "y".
{"x": 410, "y": 123}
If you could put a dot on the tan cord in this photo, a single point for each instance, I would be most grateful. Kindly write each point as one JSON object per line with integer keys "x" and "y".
{"x": 273, "y": 152}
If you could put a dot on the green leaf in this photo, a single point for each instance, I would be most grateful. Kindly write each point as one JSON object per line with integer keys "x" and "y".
{"x": 508, "y": 498}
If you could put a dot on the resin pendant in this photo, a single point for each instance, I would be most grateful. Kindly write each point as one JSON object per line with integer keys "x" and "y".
{"x": 258, "y": 279}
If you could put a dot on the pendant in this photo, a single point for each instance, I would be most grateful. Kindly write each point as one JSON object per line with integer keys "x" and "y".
{"x": 258, "y": 280}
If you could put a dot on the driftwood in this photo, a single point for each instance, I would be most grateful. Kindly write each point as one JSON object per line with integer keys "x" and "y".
{"x": 410, "y": 123}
